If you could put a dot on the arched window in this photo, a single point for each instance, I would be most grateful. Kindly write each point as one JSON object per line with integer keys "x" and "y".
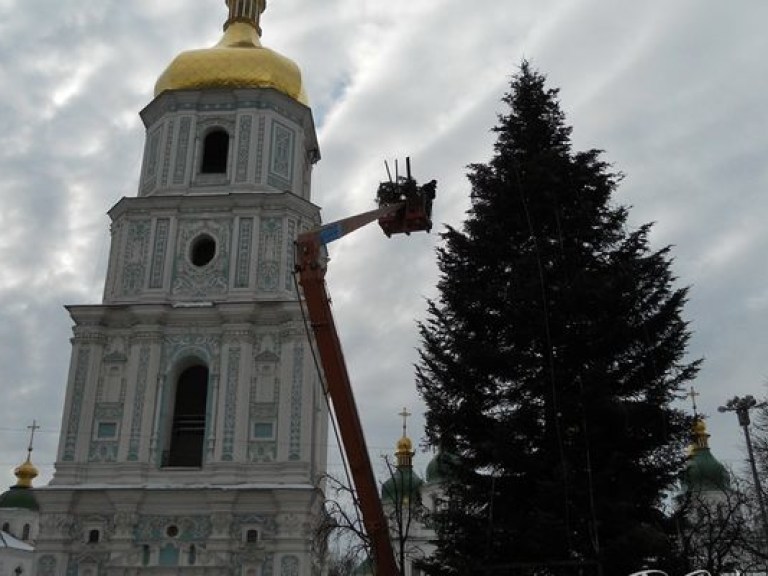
{"x": 188, "y": 427}
{"x": 215, "y": 152}
{"x": 6, "y": 527}
{"x": 25, "y": 532}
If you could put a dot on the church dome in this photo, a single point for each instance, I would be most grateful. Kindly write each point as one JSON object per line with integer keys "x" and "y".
{"x": 404, "y": 445}
{"x": 703, "y": 472}
{"x": 404, "y": 485}
{"x": 21, "y": 495}
{"x": 441, "y": 467}
{"x": 237, "y": 61}
{"x": 25, "y": 473}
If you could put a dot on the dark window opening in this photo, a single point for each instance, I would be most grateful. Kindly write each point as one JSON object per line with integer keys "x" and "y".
{"x": 145, "y": 552}
{"x": 172, "y": 531}
{"x": 192, "y": 557}
{"x": 215, "y": 149}
{"x": 203, "y": 250}
{"x": 7, "y": 527}
{"x": 188, "y": 428}
{"x": 252, "y": 536}
{"x": 93, "y": 537}
{"x": 25, "y": 532}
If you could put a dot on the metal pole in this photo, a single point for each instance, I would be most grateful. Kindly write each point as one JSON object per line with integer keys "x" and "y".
{"x": 742, "y": 406}
{"x": 756, "y": 476}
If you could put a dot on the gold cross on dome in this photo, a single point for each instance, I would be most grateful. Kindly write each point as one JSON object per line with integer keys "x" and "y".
{"x": 405, "y": 414}
{"x": 692, "y": 394}
{"x": 33, "y": 427}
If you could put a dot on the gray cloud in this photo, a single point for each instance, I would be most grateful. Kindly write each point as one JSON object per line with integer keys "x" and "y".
{"x": 672, "y": 92}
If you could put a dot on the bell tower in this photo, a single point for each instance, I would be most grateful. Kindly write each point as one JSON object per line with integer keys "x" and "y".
{"x": 194, "y": 430}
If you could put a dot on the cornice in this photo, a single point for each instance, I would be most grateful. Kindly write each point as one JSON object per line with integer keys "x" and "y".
{"x": 228, "y": 203}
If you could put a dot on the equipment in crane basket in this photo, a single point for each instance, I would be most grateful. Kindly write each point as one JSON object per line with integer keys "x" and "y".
{"x": 415, "y": 214}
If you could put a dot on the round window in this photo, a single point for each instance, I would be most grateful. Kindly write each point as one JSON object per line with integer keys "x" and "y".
{"x": 172, "y": 531}
{"x": 203, "y": 250}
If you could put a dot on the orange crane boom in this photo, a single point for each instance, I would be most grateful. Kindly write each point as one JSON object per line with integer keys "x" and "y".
{"x": 398, "y": 216}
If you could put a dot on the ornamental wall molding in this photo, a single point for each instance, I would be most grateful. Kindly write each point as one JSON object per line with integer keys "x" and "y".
{"x": 89, "y": 333}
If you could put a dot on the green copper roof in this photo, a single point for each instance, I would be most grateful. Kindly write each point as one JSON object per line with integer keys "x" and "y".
{"x": 404, "y": 483}
{"x": 703, "y": 472}
{"x": 19, "y": 497}
{"x": 441, "y": 467}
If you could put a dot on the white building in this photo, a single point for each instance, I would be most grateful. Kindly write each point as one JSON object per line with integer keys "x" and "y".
{"x": 16, "y": 556}
{"x": 193, "y": 437}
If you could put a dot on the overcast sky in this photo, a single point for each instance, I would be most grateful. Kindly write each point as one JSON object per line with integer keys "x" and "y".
{"x": 673, "y": 90}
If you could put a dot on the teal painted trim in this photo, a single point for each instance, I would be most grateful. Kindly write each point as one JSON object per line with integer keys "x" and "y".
{"x": 138, "y": 404}
{"x": 294, "y": 450}
{"x": 230, "y": 401}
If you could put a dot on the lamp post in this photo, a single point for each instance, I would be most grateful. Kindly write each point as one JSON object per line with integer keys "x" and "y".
{"x": 742, "y": 406}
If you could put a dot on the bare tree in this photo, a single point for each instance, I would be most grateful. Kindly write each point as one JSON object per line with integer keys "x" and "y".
{"x": 718, "y": 530}
{"x": 342, "y": 527}
{"x": 405, "y": 509}
{"x": 342, "y": 530}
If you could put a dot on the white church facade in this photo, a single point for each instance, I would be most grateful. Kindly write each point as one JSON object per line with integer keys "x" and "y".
{"x": 194, "y": 432}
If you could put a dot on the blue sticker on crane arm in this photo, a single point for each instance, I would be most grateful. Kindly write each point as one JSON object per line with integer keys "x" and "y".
{"x": 330, "y": 233}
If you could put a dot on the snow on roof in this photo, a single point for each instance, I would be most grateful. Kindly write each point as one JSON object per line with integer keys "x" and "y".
{"x": 8, "y": 541}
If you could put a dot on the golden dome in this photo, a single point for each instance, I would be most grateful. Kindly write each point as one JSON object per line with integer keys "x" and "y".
{"x": 237, "y": 61}
{"x": 404, "y": 445}
{"x": 25, "y": 473}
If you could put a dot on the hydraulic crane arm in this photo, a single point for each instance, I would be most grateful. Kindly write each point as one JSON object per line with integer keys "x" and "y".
{"x": 404, "y": 208}
{"x": 311, "y": 268}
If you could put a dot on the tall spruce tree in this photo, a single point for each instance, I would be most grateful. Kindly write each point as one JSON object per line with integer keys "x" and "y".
{"x": 550, "y": 360}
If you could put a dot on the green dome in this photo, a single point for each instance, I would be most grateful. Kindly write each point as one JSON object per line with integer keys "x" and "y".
{"x": 441, "y": 467}
{"x": 703, "y": 472}
{"x": 404, "y": 484}
{"x": 19, "y": 497}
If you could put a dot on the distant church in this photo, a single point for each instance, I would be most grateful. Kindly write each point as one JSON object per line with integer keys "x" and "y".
{"x": 194, "y": 431}
{"x": 411, "y": 505}
{"x": 19, "y": 521}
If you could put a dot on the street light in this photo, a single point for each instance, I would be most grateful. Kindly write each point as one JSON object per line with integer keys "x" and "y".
{"x": 742, "y": 406}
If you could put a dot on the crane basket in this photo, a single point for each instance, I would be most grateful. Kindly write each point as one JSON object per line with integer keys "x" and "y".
{"x": 416, "y": 213}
